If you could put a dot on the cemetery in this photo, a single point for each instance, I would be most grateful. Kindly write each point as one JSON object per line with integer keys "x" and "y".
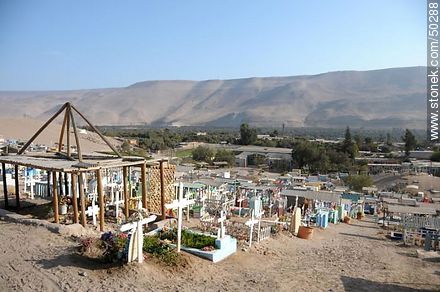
{"x": 135, "y": 213}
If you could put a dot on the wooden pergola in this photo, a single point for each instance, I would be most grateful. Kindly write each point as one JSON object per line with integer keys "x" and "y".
{"x": 73, "y": 164}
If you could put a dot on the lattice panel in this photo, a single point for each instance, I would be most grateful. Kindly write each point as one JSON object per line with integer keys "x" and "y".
{"x": 153, "y": 186}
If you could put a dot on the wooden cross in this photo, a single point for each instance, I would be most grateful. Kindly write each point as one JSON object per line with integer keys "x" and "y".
{"x": 137, "y": 231}
{"x": 179, "y": 204}
{"x": 93, "y": 211}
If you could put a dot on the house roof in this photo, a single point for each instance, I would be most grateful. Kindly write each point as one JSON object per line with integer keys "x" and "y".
{"x": 313, "y": 195}
{"x": 411, "y": 210}
{"x": 53, "y": 162}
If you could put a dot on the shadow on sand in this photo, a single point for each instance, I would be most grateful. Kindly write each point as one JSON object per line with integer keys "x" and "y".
{"x": 360, "y": 235}
{"x": 359, "y": 284}
{"x": 73, "y": 259}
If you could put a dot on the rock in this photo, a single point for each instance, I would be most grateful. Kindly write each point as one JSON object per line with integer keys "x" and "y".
{"x": 82, "y": 273}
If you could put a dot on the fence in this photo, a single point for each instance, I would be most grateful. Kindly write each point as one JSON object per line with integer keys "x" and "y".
{"x": 415, "y": 222}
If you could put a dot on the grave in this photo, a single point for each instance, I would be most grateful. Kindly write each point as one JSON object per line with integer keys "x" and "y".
{"x": 295, "y": 222}
{"x": 93, "y": 212}
{"x": 136, "y": 241}
{"x": 179, "y": 205}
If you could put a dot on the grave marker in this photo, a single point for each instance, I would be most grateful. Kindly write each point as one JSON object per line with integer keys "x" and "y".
{"x": 93, "y": 211}
{"x": 179, "y": 204}
{"x": 137, "y": 238}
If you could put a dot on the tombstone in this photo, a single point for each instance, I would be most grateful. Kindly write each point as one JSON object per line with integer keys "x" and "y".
{"x": 179, "y": 205}
{"x": 93, "y": 211}
{"x": 428, "y": 243}
{"x": 137, "y": 238}
{"x": 295, "y": 222}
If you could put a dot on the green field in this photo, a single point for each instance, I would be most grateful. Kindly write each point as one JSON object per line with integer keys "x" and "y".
{"x": 184, "y": 153}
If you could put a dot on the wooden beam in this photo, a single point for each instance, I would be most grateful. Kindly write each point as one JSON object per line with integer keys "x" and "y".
{"x": 98, "y": 132}
{"x": 60, "y": 141}
{"x": 125, "y": 191}
{"x": 100, "y": 199}
{"x": 5, "y": 186}
{"x": 55, "y": 197}
{"x": 25, "y": 146}
{"x": 75, "y": 132}
{"x": 17, "y": 188}
{"x": 162, "y": 190}
{"x": 74, "y": 197}
{"x": 144, "y": 184}
{"x": 68, "y": 129}
{"x": 81, "y": 199}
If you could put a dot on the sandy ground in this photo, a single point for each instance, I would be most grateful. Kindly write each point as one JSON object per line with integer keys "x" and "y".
{"x": 344, "y": 257}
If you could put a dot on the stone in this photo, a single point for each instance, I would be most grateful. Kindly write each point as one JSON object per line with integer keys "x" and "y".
{"x": 82, "y": 273}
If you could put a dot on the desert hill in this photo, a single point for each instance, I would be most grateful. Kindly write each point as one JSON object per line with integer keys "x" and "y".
{"x": 379, "y": 99}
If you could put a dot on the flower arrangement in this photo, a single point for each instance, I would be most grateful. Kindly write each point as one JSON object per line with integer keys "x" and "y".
{"x": 65, "y": 200}
{"x": 114, "y": 246}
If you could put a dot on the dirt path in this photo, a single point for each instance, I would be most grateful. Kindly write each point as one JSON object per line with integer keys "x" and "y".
{"x": 341, "y": 258}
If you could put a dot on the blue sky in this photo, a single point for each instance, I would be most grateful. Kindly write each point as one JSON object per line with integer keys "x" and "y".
{"x": 62, "y": 44}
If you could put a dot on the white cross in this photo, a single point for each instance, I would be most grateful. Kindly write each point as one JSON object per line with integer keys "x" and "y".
{"x": 136, "y": 228}
{"x": 222, "y": 231}
{"x": 179, "y": 204}
{"x": 240, "y": 201}
{"x": 117, "y": 202}
{"x": 93, "y": 211}
{"x": 255, "y": 219}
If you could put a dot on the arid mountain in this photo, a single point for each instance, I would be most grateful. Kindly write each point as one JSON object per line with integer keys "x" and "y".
{"x": 377, "y": 99}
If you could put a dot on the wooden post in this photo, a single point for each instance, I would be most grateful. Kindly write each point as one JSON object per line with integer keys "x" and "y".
{"x": 81, "y": 199}
{"x": 74, "y": 197}
{"x": 126, "y": 198}
{"x": 60, "y": 182}
{"x": 5, "y": 186}
{"x": 55, "y": 196}
{"x": 162, "y": 191}
{"x": 25, "y": 146}
{"x": 66, "y": 184}
{"x": 17, "y": 188}
{"x": 48, "y": 183}
{"x": 144, "y": 185}
{"x": 101, "y": 200}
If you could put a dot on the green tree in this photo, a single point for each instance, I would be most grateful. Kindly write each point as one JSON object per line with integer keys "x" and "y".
{"x": 357, "y": 182}
{"x": 307, "y": 154}
{"x": 202, "y": 153}
{"x": 225, "y": 155}
{"x": 389, "y": 141}
{"x": 410, "y": 141}
{"x": 348, "y": 146}
{"x": 248, "y": 135}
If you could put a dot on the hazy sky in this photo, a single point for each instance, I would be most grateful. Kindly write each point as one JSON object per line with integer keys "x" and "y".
{"x": 93, "y": 44}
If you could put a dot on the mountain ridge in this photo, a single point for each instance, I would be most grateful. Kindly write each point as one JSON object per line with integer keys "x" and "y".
{"x": 384, "y": 98}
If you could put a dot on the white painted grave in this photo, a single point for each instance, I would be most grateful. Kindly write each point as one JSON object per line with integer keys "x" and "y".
{"x": 179, "y": 205}
{"x": 137, "y": 237}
